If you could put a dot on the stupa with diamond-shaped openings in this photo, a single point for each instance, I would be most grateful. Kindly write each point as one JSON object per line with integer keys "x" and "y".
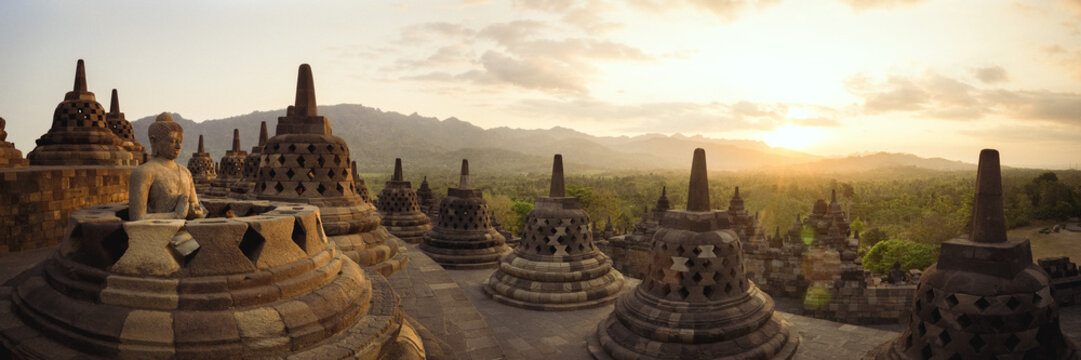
{"x": 695, "y": 301}
{"x": 242, "y": 189}
{"x": 399, "y": 206}
{"x": 984, "y": 299}
{"x": 463, "y": 236}
{"x": 556, "y": 266}
{"x": 202, "y": 167}
{"x": 306, "y": 163}
{"x": 231, "y": 168}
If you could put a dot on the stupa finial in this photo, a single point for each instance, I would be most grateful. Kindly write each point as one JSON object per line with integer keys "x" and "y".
{"x": 114, "y": 103}
{"x": 236, "y": 140}
{"x": 988, "y": 218}
{"x": 305, "y": 102}
{"x": 80, "y": 78}
{"x": 262, "y": 134}
{"x": 397, "y": 170}
{"x": 698, "y": 195}
{"x": 463, "y": 182}
{"x": 557, "y": 189}
{"x": 201, "y": 149}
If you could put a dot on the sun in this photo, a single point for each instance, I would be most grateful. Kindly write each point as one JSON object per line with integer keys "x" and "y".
{"x": 792, "y": 137}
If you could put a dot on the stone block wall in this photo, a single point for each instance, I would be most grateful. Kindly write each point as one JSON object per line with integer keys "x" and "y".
{"x": 631, "y": 258}
{"x": 1065, "y": 279}
{"x": 852, "y": 302}
{"x": 35, "y": 201}
{"x": 776, "y": 271}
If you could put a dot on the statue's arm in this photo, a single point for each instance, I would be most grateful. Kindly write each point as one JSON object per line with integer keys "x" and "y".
{"x": 195, "y": 209}
{"x": 138, "y": 194}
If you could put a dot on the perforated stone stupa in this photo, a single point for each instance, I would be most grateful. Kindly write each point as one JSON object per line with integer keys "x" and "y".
{"x": 306, "y": 163}
{"x": 400, "y": 210}
{"x": 695, "y": 301}
{"x": 80, "y": 134}
{"x": 122, "y": 128}
{"x": 556, "y": 266}
{"x": 425, "y": 198}
{"x": 202, "y": 168}
{"x": 984, "y": 299}
{"x": 242, "y": 189}
{"x": 230, "y": 169}
{"x": 362, "y": 188}
{"x": 463, "y": 236}
{"x": 10, "y": 157}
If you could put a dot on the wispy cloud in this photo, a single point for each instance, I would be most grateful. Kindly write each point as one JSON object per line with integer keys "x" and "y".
{"x": 933, "y": 95}
{"x": 860, "y": 5}
{"x": 991, "y": 74}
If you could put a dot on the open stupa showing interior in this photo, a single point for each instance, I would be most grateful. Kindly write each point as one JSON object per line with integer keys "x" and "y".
{"x": 166, "y": 276}
{"x": 400, "y": 210}
{"x": 556, "y": 266}
{"x": 463, "y": 236}
{"x": 984, "y": 299}
{"x": 80, "y": 134}
{"x": 306, "y": 163}
{"x": 695, "y": 301}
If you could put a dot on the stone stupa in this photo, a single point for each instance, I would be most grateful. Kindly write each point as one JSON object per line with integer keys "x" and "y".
{"x": 695, "y": 301}
{"x": 555, "y": 266}
{"x": 463, "y": 236}
{"x": 400, "y": 210}
{"x": 242, "y": 189}
{"x": 10, "y": 157}
{"x": 426, "y": 198}
{"x": 202, "y": 168}
{"x": 306, "y": 163}
{"x": 122, "y": 128}
{"x": 142, "y": 280}
{"x": 230, "y": 169}
{"x": 362, "y": 188}
{"x": 80, "y": 134}
{"x": 984, "y": 298}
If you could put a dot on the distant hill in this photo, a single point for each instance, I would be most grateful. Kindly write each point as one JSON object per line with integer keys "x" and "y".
{"x": 376, "y": 137}
{"x": 879, "y": 161}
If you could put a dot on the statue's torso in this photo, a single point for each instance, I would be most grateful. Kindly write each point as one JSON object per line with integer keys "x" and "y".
{"x": 170, "y": 181}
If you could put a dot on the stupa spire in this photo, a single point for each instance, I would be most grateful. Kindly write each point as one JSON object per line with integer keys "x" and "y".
{"x": 114, "y": 103}
{"x": 557, "y": 189}
{"x": 236, "y": 140}
{"x": 463, "y": 182}
{"x": 305, "y": 102}
{"x": 397, "y": 170}
{"x": 80, "y": 78}
{"x": 988, "y": 219}
{"x": 698, "y": 195}
{"x": 262, "y": 134}
{"x": 201, "y": 149}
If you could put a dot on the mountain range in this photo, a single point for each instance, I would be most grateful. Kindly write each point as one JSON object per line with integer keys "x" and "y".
{"x": 377, "y": 137}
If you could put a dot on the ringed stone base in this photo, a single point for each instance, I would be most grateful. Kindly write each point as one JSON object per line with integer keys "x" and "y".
{"x": 538, "y": 285}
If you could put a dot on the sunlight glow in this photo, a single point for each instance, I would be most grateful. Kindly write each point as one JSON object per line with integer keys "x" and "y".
{"x": 792, "y": 136}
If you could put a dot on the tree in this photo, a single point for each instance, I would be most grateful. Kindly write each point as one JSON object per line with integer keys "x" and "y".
{"x": 911, "y": 256}
{"x": 857, "y": 225}
{"x": 521, "y": 209}
{"x": 872, "y": 237}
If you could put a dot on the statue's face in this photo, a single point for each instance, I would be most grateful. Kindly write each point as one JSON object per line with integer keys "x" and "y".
{"x": 168, "y": 146}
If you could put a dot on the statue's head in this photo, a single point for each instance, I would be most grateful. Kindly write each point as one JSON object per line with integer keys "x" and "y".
{"x": 166, "y": 137}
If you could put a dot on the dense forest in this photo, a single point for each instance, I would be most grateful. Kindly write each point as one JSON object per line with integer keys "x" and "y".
{"x": 910, "y": 204}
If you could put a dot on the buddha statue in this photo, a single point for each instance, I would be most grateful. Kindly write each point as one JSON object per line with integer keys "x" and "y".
{"x": 161, "y": 188}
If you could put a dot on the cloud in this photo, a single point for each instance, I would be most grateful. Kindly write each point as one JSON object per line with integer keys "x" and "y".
{"x": 991, "y": 74}
{"x": 1067, "y": 60}
{"x": 685, "y": 117}
{"x": 860, "y": 5}
{"x": 1073, "y": 6}
{"x": 936, "y": 96}
{"x": 726, "y": 10}
{"x": 434, "y": 31}
{"x": 533, "y": 73}
{"x": 590, "y": 16}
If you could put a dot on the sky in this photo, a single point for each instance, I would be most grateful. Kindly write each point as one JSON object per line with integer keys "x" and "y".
{"x": 935, "y": 78}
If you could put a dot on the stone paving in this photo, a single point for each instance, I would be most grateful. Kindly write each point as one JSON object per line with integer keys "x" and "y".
{"x": 452, "y": 307}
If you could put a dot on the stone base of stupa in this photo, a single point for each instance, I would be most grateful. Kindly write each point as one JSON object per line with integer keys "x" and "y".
{"x": 464, "y": 249}
{"x": 554, "y": 285}
{"x": 409, "y": 227}
{"x": 10, "y": 157}
{"x": 81, "y": 154}
{"x": 646, "y": 327}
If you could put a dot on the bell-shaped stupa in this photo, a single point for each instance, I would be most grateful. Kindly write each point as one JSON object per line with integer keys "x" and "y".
{"x": 362, "y": 188}
{"x": 122, "y": 128}
{"x": 463, "y": 236}
{"x": 984, "y": 299}
{"x": 400, "y": 210}
{"x": 231, "y": 169}
{"x": 556, "y": 266}
{"x": 426, "y": 198}
{"x": 695, "y": 301}
{"x": 202, "y": 167}
{"x": 80, "y": 133}
{"x": 10, "y": 157}
{"x": 242, "y": 189}
{"x": 306, "y": 163}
